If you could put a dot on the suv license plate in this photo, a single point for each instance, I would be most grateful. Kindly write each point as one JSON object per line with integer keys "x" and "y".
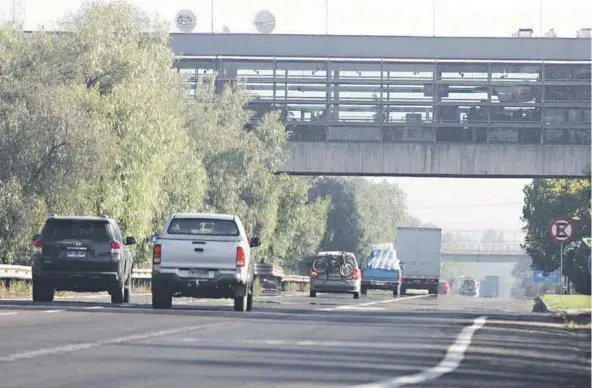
{"x": 76, "y": 254}
{"x": 201, "y": 273}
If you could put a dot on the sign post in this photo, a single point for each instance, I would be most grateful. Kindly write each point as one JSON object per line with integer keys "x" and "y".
{"x": 561, "y": 230}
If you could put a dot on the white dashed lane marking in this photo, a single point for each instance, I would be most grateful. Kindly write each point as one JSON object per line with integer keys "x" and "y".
{"x": 364, "y": 306}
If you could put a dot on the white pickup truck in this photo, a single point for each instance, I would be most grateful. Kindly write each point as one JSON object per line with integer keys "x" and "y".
{"x": 203, "y": 255}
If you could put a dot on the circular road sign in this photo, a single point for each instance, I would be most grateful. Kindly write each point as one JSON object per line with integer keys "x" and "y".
{"x": 562, "y": 230}
{"x": 185, "y": 20}
{"x": 264, "y": 22}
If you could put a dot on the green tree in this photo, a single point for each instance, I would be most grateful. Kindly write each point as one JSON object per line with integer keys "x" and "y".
{"x": 94, "y": 124}
{"x": 546, "y": 199}
{"x": 361, "y": 213}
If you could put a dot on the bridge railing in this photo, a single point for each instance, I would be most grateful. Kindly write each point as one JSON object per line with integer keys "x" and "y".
{"x": 483, "y": 248}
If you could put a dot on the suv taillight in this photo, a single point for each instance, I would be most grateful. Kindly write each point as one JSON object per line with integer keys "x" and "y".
{"x": 240, "y": 257}
{"x": 156, "y": 251}
{"x": 356, "y": 274}
{"x": 115, "y": 248}
{"x": 37, "y": 247}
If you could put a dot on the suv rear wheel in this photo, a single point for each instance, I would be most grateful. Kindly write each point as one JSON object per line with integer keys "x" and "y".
{"x": 118, "y": 293}
{"x": 128, "y": 288}
{"x": 42, "y": 291}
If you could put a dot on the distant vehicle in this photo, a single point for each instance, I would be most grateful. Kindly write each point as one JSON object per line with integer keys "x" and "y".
{"x": 489, "y": 287}
{"x": 443, "y": 287}
{"x": 83, "y": 254}
{"x": 335, "y": 273}
{"x": 203, "y": 255}
{"x": 382, "y": 272}
{"x": 469, "y": 287}
{"x": 419, "y": 252}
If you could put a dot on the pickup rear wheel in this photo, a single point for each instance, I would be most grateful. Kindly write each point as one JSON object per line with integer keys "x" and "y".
{"x": 250, "y": 299}
{"x": 240, "y": 303}
{"x": 162, "y": 299}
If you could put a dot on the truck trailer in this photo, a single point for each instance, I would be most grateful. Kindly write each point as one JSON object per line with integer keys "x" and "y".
{"x": 419, "y": 250}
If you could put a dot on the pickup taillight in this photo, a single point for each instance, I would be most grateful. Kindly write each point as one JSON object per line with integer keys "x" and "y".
{"x": 241, "y": 257}
{"x": 156, "y": 252}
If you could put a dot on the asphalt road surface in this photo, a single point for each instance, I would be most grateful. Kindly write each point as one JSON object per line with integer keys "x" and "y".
{"x": 289, "y": 341}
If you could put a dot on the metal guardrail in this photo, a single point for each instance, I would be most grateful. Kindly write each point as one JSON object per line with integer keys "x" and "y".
{"x": 21, "y": 272}
{"x": 295, "y": 279}
{"x": 276, "y": 271}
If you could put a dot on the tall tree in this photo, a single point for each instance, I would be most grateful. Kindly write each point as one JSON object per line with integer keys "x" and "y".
{"x": 546, "y": 199}
{"x": 361, "y": 213}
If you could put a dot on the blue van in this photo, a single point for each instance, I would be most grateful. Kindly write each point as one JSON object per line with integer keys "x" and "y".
{"x": 382, "y": 272}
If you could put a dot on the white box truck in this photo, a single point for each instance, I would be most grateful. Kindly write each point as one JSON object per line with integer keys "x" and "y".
{"x": 418, "y": 249}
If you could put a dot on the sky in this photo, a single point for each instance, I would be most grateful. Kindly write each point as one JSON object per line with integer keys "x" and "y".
{"x": 451, "y": 203}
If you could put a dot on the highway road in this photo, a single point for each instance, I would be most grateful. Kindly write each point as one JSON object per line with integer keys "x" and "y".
{"x": 289, "y": 341}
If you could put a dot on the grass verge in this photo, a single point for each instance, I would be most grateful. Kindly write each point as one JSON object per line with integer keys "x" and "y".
{"x": 567, "y": 302}
{"x": 16, "y": 289}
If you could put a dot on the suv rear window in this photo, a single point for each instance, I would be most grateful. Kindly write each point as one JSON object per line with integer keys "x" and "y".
{"x": 203, "y": 226}
{"x": 57, "y": 230}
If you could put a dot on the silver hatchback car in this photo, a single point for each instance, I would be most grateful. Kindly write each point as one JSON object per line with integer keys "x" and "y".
{"x": 335, "y": 273}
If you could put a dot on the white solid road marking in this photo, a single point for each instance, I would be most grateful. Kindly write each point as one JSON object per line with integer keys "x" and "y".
{"x": 452, "y": 360}
{"x": 357, "y": 306}
{"x": 9, "y": 313}
{"x": 288, "y": 343}
{"x": 94, "y": 296}
{"x": 54, "y": 311}
{"x": 113, "y": 341}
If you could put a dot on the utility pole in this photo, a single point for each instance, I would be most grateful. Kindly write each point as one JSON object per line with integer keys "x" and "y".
{"x": 326, "y": 17}
{"x": 541, "y": 34}
{"x": 17, "y": 10}
{"x": 212, "y": 15}
{"x": 434, "y": 17}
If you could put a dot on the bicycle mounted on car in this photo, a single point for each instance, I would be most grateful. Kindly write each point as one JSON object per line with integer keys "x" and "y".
{"x": 341, "y": 272}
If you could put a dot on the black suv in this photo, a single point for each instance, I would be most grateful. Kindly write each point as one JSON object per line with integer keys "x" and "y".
{"x": 85, "y": 254}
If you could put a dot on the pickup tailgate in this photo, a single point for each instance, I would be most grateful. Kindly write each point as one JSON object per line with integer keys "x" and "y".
{"x": 192, "y": 252}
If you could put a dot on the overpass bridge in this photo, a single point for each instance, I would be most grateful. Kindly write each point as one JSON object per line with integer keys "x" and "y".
{"x": 412, "y": 106}
{"x": 478, "y": 252}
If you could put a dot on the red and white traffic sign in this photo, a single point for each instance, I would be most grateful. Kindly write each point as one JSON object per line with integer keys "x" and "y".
{"x": 562, "y": 230}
